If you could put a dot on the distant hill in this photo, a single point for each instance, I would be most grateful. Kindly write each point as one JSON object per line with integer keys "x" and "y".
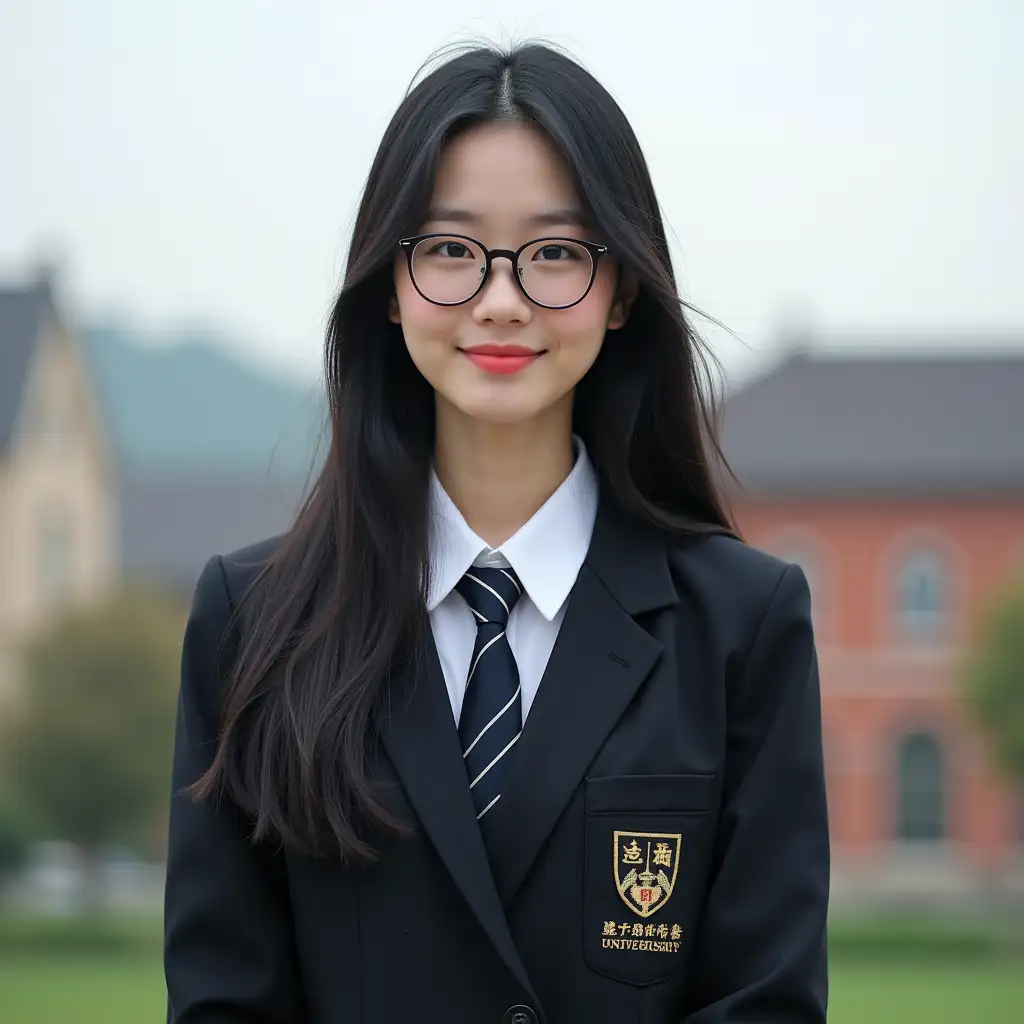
{"x": 182, "y": 405}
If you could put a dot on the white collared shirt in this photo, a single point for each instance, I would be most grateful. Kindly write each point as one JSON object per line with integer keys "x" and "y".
{"x": 546, "y": 553}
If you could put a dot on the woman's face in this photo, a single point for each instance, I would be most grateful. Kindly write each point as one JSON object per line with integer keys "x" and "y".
{"x": 499, "y": 357}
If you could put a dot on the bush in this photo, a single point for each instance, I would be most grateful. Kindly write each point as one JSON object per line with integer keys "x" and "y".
{"x": 16, "y": 836}
{"x": 884, "y": 938}
{"x": 123, "y": 935}
{"x": 92, "y": 753}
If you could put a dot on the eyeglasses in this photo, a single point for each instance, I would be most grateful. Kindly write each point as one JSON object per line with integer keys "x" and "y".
{"x": 555, "y": 273}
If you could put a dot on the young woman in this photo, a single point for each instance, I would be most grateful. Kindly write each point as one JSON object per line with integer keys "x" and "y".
{"x": 509, "y": 726}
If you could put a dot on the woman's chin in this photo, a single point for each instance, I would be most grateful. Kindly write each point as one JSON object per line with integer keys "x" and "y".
{"x": 504, "y": 408}
{"x": 501, "y": 416}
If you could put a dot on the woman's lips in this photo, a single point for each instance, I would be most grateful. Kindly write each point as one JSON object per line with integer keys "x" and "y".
{"x": 501, "y": 358}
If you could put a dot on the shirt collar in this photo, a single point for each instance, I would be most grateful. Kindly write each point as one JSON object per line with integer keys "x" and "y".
{"x": 546, "y": 552}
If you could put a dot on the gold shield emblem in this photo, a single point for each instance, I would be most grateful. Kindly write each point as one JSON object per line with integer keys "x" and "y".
{"x": 645, "y": 869}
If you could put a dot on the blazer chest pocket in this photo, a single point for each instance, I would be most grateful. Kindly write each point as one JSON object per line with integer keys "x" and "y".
{"x": 647, "y": 843}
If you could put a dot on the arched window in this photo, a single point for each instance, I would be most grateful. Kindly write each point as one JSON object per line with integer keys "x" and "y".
{"x": 922, "y": 594}
{"x": 55, "y": 558}
{"x": 921, "y": 789}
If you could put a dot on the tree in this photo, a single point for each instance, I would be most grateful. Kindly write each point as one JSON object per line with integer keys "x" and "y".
{"x": 91, "y": 756}
{"x": 15, "y": 840}
{"x": 994, "y": 681}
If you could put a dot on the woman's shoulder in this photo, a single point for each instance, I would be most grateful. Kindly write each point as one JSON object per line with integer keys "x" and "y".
{"x": 737, "y": 581}
{"x": 226, "y": 577}
{"x": 732, "y": 560}
{"x": 212, "y": 635}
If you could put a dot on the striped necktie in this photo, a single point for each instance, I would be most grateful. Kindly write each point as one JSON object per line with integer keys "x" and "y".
{"x": 492, "y": 709}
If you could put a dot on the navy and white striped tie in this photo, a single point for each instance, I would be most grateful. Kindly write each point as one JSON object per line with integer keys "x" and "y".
{"x": 492, "y": 709}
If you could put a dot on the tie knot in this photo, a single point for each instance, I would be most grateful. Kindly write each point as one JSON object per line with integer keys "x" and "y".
{"x": 490, "y": 593}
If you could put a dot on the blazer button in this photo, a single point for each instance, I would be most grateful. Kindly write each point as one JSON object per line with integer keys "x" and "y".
{"x": 519, "y": 1015}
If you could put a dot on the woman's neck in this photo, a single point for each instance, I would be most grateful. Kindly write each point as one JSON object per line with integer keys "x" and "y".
{"x": 499, "y": 475}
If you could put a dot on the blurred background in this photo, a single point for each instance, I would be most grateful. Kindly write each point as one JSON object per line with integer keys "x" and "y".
{"x": 843, "y": 188}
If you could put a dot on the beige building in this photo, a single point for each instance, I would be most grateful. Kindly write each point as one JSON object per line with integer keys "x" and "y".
{"x": 58, "y": 495}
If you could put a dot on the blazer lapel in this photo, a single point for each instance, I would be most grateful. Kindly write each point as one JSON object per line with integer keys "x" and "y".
{"x": 601, "y": 657}
{"x": 419, "y": 735}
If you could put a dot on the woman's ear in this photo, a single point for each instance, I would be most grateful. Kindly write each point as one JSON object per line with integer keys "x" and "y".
{"x": 628, "y": 290}
{"x": 394, "y": 313}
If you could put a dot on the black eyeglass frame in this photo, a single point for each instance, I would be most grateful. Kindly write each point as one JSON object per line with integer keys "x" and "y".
{"x": 594, "y": 248}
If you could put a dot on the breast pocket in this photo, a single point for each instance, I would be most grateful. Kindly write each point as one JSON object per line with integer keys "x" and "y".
{"x": 647, "y": 843}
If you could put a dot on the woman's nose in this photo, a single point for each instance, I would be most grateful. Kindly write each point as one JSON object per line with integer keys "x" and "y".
{"x": 501, "y": 298}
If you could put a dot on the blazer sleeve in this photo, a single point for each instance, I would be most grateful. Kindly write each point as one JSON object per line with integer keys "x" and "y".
{"x": 228, "y": 945}
{"x": 761, "y": 947}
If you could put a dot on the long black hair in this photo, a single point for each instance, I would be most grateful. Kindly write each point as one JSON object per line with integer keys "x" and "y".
{"x": 340, "y": 604}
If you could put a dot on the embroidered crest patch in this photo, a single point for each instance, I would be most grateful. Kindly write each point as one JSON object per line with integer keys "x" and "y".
{"x": 646, "y": 864}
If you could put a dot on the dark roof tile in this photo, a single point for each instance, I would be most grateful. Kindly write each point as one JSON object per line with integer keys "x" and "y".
{"x": 901, "y": 425}
{"x": 171, "y": 525}
{"x": 22, "y": 314}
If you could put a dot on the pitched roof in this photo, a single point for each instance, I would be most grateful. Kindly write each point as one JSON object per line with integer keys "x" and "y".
{"x": 820, "y": 424}
{"x": 182, "y": 404}
{"x": 171, "y": 524}
{"x": 22, "y": 314}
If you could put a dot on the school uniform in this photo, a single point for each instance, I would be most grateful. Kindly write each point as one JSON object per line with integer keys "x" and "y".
{"x": 656, "y": 849}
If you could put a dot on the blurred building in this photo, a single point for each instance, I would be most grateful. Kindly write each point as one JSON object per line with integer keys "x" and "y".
{"x": 211, "y": 453}
{"x": 58, "y": 505}
{"x": 898, "y": 485}
{"x": 121, "y": 460}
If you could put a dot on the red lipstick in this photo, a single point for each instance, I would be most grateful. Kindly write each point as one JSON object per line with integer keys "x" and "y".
{"x": 501, "y": 358}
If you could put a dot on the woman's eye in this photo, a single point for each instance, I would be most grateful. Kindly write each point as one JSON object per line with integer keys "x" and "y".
{"x": 454, "y": 250}
{"x": 555, "y": 252}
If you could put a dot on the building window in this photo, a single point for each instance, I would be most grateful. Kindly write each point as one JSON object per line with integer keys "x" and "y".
{"x": 59, "y": 425}
{"x": 52, "y": 416}
{"x": 922, "y": 595}
{"x": 55, "y": 565}
{"x": 921, "y": 796}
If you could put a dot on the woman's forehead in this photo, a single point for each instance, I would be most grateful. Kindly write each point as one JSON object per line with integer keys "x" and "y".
{"x": 506, "y": 173}
{"x": 534, "y": 220}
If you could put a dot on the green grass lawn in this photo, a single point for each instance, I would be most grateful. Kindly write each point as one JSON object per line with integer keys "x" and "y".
{"x": 938, "y": 993}
{"x": 41, "y": 989}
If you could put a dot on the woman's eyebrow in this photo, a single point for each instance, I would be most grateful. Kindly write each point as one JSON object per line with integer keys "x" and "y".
{"x": 566, "y": 215}
{"x": 451, "y": 213}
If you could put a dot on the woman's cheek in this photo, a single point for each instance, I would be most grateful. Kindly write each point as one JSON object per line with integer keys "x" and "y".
{"x": 429, "y": 323}
{"x": 581, "y": 326}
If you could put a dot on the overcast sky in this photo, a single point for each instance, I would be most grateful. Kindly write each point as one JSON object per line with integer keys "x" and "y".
{"x": 855, "y": 167}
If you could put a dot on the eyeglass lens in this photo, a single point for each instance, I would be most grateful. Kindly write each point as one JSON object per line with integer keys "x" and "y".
{"x": 553, "y": 271}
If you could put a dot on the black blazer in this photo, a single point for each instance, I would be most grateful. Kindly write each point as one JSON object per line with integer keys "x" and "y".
{"x": 663, "y": 842}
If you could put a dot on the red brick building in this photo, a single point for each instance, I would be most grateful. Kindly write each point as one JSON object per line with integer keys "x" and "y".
{"x": 898, "y": 484}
